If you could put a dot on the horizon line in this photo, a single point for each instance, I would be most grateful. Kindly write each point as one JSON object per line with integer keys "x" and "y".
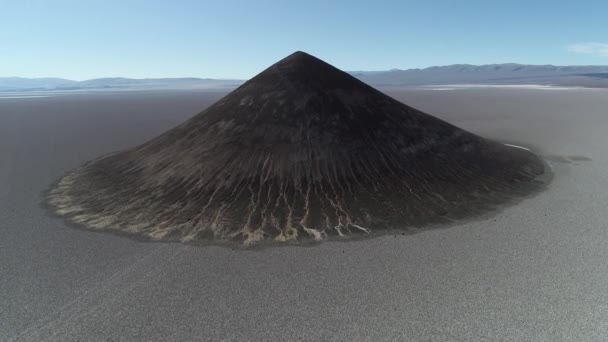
{"x": 348, "y": 71}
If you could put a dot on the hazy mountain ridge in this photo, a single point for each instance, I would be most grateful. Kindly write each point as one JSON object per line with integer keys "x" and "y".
{"x": 15, "y": 83}
{"x": 117, "y": 83}
{"x": 508, "y": 73}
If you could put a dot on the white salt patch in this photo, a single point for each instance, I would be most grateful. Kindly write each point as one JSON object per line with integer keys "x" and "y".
{"x": 523, "y": 148}
{"x": 22, "y": 97}
{"x": 498, "y": 86}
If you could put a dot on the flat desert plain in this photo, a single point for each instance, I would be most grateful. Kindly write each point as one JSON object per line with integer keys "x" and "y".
{"x": 535, "y": 271}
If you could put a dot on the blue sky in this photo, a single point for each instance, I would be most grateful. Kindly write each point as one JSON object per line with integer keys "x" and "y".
{"x": 82, "y": 39}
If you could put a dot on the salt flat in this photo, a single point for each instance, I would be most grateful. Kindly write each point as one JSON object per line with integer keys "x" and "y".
{"x": 536, "y": 271}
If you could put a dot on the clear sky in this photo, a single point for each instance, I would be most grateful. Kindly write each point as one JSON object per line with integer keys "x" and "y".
{"x": 82, "y": 39}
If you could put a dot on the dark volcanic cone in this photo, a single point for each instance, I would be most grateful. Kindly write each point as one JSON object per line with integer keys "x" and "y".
{"x": 302, "y": 150}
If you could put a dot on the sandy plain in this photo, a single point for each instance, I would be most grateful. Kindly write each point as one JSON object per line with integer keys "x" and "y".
{"x": 535, "y": 271}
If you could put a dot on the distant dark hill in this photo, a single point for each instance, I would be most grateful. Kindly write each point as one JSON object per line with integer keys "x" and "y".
{"x": 300, "y": 151}
{"x": 489, "y": 74}
{"x": 598, "y": 75}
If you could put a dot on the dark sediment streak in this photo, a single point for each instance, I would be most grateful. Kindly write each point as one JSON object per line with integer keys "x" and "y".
{"x": 302, "y": 150}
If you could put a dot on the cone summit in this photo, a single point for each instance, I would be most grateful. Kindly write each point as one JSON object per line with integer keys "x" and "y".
{"x": 300, "y": 151}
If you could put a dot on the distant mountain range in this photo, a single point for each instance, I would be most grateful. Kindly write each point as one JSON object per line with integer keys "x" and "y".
{"x": 511, "y": 73}
{"x": 585, "y": 76}
{"x": 114, "y": 83}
